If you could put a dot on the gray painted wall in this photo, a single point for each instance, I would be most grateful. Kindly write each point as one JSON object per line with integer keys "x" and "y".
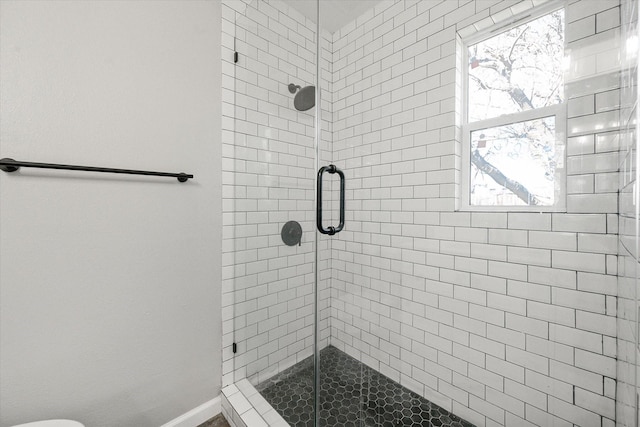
{"x": 109, "y": 285}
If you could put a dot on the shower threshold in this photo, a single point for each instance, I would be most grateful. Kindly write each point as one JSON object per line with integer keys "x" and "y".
{"x": 351, "y": 395}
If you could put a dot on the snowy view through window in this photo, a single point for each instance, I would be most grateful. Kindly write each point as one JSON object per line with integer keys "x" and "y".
{"x": 512, "y": 75}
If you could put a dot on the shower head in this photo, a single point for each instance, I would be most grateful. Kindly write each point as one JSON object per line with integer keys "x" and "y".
{"x": 305, "y": 98}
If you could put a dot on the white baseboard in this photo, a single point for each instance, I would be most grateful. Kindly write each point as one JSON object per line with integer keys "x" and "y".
{"x": 198, "y": 415}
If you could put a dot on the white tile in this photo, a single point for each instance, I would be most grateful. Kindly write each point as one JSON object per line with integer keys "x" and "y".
{"x": 579, "y": 10}
{"x": 548, "y": 385}
{"x": 596, "y": 403}
{"x": 596, "y": 363}
{"x": 598, "y": 243}
{"x": 608, "y": 19}
{"x": 606, "y": 182}
{"x": 550, "y": 349}
{"x": 605, "y": 162}
{"x": 576, "y": 338}
{"x": 525, "y": 394}
{"x": 528, "y": 360}
{"x": 551, "y": 313}
{"x": 580, "y": 145}
{"x": 239, "y": 402}
{"x": 579, "y": 300}
{"x": 491, "y": 411}
{"x": 508, "y": 270}
{"x": 485, "y": 314}
{"x": 485, "y": 377}
{"x": 529, "y": 221}
{"x": 544, "y": 418}
{"x": 597, "y": 283}
{"x": 609, "y": 141}
{"x": 506, "y": 336}
{"x": 594, "y": 322}
{"x": 581, "y": 106}
{"x": 252, "y": 418}
{"x": 470, "y": 234}
{"x": 592, "y": 203}
{"x": 553, "y": 240}
{"x": 529, "y": 291}
{"x": 529, "y": 256}
{"x": 508, "y": 237}
{"x": 581, "y": 223}
{"x": 580, "y": 184}
{"x": 607, "y": 100}
{"x": 581, "y": 28}
{"x": 572, "y": 413}
{"x": 594, "y": 263}
{"x": 506, "y": 401}
{"x": 592, "y": 123}
{"x": 489, "y": 220}
{"x": 485, "y": 251}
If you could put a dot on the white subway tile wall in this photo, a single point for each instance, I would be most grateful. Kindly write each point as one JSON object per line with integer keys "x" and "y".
{"x": 501, "y": 318}
{"x": 627, "y": 309}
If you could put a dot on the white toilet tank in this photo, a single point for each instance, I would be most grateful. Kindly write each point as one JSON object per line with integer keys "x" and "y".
{"x": 52, "y": 423}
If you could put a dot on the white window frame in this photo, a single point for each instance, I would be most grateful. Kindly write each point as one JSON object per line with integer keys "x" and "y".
{"x": 559, "y": 111}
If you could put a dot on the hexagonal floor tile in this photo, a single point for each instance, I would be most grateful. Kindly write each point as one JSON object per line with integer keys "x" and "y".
{"x": 351, "y": 394}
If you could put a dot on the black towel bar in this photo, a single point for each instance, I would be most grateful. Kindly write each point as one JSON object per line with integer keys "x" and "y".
{"x": 10, "y": 165}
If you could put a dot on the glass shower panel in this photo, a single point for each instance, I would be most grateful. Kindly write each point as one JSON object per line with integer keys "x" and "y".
{"x": 268, "y": 191}
{"x": 628, "y": 232}
{"x": 269, "y": 177}
{"x": 384, "y": 303}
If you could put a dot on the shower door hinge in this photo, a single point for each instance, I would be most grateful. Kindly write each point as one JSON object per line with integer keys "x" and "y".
{"x": 235, "y": 56}
{"x": 235, "y": 348}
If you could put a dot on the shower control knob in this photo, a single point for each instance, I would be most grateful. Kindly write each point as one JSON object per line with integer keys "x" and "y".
{"x": 291, "y": 233}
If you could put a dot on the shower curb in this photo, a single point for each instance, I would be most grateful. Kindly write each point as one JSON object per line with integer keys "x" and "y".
{"x": 244, "y": 406}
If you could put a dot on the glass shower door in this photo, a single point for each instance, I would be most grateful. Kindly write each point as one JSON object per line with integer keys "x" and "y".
{"x": 273, "y": 281}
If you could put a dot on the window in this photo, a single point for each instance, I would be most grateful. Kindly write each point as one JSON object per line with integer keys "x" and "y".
{"x": 514, "y": 117}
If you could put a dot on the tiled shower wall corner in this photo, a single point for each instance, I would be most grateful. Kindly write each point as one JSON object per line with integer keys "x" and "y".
{"x": 268, "y": 179}
{"x": 501, "y": 318}
{"x": 627, "y": 391}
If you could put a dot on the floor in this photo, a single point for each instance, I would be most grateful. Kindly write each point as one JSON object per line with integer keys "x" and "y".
{"x": 352, "y": 395}
{"x": 217, "y": 421}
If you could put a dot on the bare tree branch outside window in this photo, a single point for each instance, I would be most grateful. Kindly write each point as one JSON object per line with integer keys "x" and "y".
{"x": 517, "y": 70}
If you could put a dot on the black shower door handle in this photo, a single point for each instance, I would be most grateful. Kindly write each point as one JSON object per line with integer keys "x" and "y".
{"x": 331, "y": 230}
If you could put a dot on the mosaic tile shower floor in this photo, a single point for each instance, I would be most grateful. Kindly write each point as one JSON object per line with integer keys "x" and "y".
{"x": 351, "y": 395}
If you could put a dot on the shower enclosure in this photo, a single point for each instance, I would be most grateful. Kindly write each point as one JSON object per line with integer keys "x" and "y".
{"x": 357, "y": 288}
